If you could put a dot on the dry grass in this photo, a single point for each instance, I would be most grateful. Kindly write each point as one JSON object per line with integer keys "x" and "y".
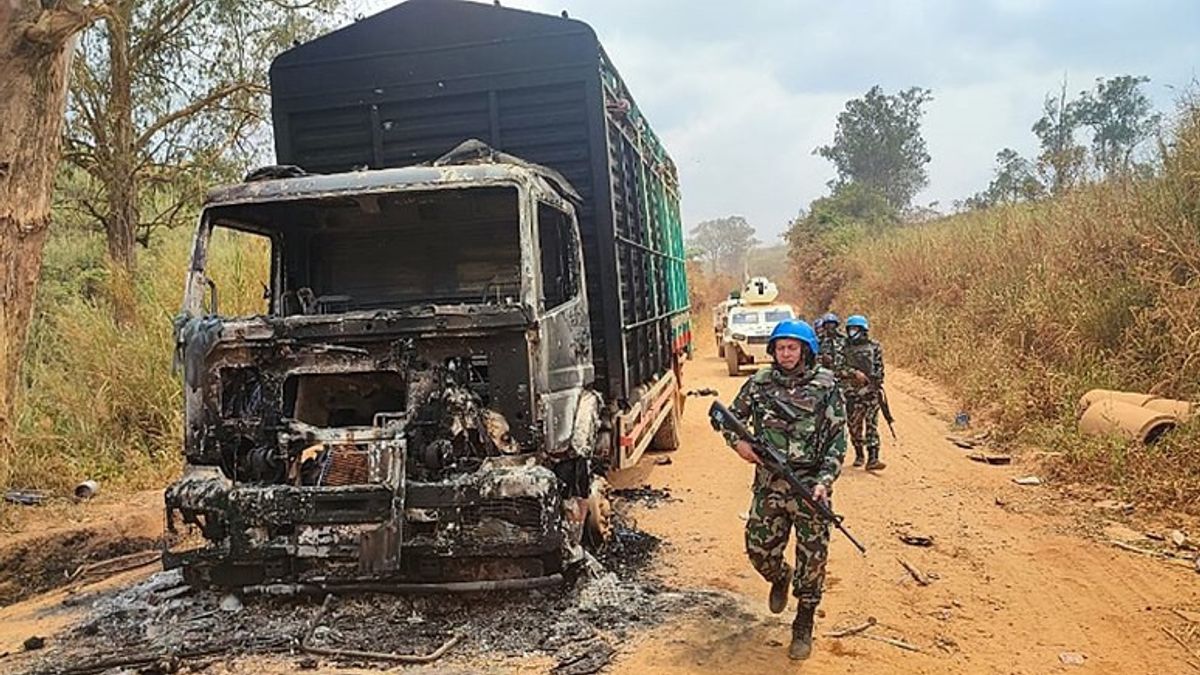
{"x": 99, "y": 399}
{"x": 1021, "y": 309}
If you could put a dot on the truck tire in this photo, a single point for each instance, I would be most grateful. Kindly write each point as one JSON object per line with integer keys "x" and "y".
{"x": 731, "y": 361}
{"x": 597, "y": 524}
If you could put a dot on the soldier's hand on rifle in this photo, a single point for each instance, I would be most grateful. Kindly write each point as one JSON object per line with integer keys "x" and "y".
{"x": 821, "y": 493}
{"x": 860, "y": 378}
{"x": 746, "y": 452}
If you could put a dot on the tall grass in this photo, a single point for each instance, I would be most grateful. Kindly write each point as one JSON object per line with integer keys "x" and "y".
{"x": 1020, "y": 309}
{"x": 99, "y": 399}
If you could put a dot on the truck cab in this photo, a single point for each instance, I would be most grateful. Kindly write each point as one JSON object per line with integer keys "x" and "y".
{"x": 413, "y": 404}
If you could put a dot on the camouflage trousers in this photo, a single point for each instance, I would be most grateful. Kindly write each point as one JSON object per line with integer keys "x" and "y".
{"x": 862, "y": 421}
{"x": 774, "y": 512}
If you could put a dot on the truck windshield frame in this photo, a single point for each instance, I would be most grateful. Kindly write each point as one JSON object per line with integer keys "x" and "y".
{"x": 334, "y": 254}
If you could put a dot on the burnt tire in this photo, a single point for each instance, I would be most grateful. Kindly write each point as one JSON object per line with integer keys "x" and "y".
{"x": 731, "y": 362}
{"x": 597, "y": 524}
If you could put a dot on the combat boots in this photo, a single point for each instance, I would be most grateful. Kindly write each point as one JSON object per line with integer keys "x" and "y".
{"x": 802, "y": 630}
{"x": 874, "y": 464}
{"x": 777, "y": 601}
{"x": 858, "y": 459}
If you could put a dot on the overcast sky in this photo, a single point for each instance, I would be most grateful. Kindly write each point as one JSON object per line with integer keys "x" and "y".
{"x": 742, "y": 93}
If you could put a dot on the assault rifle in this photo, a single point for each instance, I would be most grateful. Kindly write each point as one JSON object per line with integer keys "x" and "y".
{"x": 887, "y": 411}
{"x": 881, "y": 396}
{"x": 722, "y": 419}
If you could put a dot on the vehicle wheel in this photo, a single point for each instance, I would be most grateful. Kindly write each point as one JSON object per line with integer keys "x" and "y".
{"x": 731, "y": 362}
{"x": 597, "y": 525}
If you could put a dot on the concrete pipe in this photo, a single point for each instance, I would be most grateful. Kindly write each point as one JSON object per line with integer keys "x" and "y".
{"x": 1130, "y": 397}
{"x": 1107, "y": 416}
{"x": 1183, "y": 410}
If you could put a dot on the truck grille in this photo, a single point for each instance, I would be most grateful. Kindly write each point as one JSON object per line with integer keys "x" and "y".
{"x": 521, "y": 511}
{"x": 758, "y": 339}
{"x": 344, "y": 465}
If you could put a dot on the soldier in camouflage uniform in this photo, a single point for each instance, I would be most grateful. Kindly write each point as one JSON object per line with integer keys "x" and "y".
{"x": 862, "y": 379}
{"x": 815, "y": 443}
{"x": 833, "y": 343}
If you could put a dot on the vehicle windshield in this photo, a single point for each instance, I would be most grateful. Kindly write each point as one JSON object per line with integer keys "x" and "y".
{"x": 376, "y": 251}
{"x": 777, "y": 315}
{"x": 744, "y": 318}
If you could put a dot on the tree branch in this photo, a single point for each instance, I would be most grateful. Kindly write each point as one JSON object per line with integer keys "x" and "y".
{"x": 95, "y": 213}
{"x": 53, "y": 27}
{"x": 165, "y": 25}
{"x": 196, "y": 106}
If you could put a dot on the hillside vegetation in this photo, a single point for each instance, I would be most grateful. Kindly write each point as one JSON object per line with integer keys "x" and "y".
{"x": 1020, "y": 309}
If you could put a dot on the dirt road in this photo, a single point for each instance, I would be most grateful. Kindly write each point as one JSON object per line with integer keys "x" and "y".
{"x": 1015, "y": 585}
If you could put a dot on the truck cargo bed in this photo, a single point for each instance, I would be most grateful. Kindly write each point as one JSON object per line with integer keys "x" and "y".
{"x": 406, "y": 85}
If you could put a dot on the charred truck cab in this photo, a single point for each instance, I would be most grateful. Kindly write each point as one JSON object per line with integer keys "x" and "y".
{"x": 414, "y": 403}
{"x": 455, "y": 350}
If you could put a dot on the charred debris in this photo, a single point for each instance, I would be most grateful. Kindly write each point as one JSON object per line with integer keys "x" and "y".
{"x": 164, "y": 625}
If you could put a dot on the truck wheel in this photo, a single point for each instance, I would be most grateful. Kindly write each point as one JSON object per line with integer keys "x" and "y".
{"x": 597, "y": 525}
{"x": 731, "y": 361}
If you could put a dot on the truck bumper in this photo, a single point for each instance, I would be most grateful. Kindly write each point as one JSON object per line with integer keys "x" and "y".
{"x": 497, "y": 523}
{"x": 753, "y": 353}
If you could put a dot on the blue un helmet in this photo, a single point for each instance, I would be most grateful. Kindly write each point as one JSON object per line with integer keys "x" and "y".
{"x": 858, "y": 321}
{"x": 797, "y": 330}
{"x": 856, "y": 328}
{"x": 829, "y": 318}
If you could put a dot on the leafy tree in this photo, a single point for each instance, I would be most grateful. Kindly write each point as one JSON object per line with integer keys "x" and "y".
{"x": 37, "y": 40}
{"x": 1061, "y": 161}
{"x": 723, "y": 242}
{"x": 878, "y": 144}
{"x": 166, "y": 97}
{"x": 1121, "y": 118}
{"x": 827, "y": 229}
{"x": 851, "y": 205}
{"x": 1015, "y": 180}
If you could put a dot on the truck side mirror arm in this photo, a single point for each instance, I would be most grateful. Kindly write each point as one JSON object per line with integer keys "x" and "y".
{"x": 212, "y": 289}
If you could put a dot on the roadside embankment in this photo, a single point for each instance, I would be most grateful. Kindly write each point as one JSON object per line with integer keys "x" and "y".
{"x": 1021, "y": 309}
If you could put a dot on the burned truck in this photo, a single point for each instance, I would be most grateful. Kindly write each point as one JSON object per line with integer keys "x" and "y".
{"x": 476, "y": 308}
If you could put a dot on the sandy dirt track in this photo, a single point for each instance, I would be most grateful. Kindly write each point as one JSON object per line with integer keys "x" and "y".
{"x": 1016, "y": 585}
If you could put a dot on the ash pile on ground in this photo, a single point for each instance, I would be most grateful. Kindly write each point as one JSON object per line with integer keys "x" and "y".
{"x": 650, "y": 497}
{"x": 160, "y": 625}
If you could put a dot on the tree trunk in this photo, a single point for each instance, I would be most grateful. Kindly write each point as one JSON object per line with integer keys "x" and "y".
{"x": 121, "y": 187}
{"x": 35, "y": 53}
